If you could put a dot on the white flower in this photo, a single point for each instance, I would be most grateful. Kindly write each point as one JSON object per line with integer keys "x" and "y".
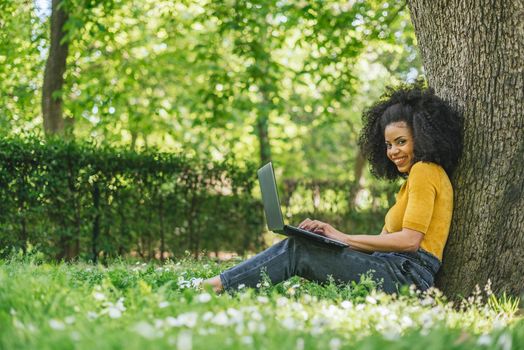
{"x": 172, "y": 321}
{"x": 70, "y": 319}
{"x": 252, "y": 326}
{"x": 56, "y": 324}
{"x": 207, "y": 316}
{"x": 188, "y": 319}
{"x": 220, "y": 319}
{"x": 114, "y": 312}
{"x": 18, "y": 324}
{"x": 241, "y": 286}
{"x": 239, "y": 329}
{"x": 182, "y": 283}
{"x": 236, "y": 316}
{"x": 184, "y": 341}
{"x": 92, "y": 315}
{"x": 300, "y": 344}
{"x": 484, "y": 340}
{"x": 282, "y": 301}
{"x": 248, "y": 340}
{"x": 31, "y": 328}
{"x": 371, "y": 300}
{"x": 262, "y": 299}
{"x": 383, "y": 311}
{"x": 334, "y": 344}
{"x": 99, "y": 296}
{"x": 426, "y": 319}
{"x": 505, "y": 341}
{"x": 261, "y": 328}
{"x": 163, "y": 304}
{"x": 255, "y": 315}
{"x": 406, "y": 321}
{"x": 146, "y": 330}
{"x": 204, "y": 297}
{"x": 391, "y": 334}
{"x": 499, "y": 323}
{"x": 289, "y": 323}
{"x": 427, "y": 301}
{"x": 346, "y": 304}
{"x": 196, "y": 282}
{"x": 75, "y": 335}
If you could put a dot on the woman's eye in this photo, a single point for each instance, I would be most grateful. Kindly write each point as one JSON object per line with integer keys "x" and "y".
{"x": 401, "y": 142}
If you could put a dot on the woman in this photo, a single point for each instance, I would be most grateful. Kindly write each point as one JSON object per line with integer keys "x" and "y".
{"x": 410, "y": 133}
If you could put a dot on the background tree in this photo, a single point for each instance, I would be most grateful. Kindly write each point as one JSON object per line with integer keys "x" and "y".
{"x": 54, "y": 71}
{"x": 212, "y": 79}
{"x": 473, "y": 54}
{"x": 22, "y": 37}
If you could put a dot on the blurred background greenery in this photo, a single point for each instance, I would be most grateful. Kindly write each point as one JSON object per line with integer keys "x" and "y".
{"x": 246, "y": 80}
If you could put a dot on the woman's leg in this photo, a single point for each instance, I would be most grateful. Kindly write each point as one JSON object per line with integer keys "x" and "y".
{"x": 311, "y": 260}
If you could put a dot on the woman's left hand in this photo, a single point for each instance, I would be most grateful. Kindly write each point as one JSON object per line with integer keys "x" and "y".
{"x": 322, "y": 228}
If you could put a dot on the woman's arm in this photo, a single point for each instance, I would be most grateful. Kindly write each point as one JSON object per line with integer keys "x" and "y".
{"x": 407, "y": 240}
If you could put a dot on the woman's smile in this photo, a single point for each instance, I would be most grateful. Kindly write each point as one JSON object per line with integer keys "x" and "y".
{"x": 399, "y": 145}
{"x": 399, "y": 161}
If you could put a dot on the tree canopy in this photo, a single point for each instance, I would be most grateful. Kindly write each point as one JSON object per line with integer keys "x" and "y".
{"x": 247, "y": 78}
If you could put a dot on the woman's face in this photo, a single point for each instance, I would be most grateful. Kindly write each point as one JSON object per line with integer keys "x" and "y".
{"x": 399, "y": 145}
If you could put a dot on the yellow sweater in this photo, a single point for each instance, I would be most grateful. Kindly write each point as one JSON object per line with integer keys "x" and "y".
{"x": 425, "y": 204}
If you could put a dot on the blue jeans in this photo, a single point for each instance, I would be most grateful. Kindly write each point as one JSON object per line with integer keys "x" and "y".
{"x": 316, "y": 262}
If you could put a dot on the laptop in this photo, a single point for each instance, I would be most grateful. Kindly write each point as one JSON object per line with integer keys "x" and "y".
{"x": 275, "y": 221}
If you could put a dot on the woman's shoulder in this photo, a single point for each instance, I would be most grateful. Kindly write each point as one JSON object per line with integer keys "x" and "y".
{"x": 426, "y": 171}
{"x": 422, "y": 166}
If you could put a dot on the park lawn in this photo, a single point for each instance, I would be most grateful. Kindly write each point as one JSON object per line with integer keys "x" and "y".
{"x": 152, "y": 306}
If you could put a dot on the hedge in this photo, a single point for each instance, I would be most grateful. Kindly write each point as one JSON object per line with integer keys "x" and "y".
{"x": 77, "y": 200}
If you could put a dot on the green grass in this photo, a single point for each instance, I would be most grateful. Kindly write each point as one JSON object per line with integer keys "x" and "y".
{"x": 136, "y": 306}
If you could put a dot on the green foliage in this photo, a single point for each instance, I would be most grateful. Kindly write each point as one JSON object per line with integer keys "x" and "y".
{"x": 328, "y": 200}
{"x": 139, "y": 305}
{"x": 73, "y": 199}
{"x": 22, "y": 37}
{"x": 504, "y": 303}
{"x": 199, "y": 76}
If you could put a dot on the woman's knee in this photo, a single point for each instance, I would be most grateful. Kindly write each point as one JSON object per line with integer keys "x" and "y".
{"x": 295, "y": 243}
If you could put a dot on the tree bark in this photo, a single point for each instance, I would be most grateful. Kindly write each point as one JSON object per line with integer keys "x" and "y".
{"x": 473, "y": 54}
{"x": 360, "y": 162}
{"x": 96, "y": 222}
{"x": 54, "y": 72}
{"x": 263, "y": 129}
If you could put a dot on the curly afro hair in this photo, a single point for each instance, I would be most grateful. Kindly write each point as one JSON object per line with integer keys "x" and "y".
{"x": 436, "y": 129}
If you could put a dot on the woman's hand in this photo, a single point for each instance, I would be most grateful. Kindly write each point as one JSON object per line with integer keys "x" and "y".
{"x": 322, "y": 228}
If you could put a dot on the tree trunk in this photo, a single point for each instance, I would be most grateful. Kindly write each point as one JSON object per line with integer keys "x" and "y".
{"x": 263, "y": 131}
{"x": 354, "y": 187}
{"x": 473, "y": 54}
{"x": 54, "y": 72}
{"x": 162, "y": 233}
{"x": 96, "y": 222}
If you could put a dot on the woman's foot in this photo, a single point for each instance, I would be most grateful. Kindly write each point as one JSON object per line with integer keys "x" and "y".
{"x": 214, "y": 282}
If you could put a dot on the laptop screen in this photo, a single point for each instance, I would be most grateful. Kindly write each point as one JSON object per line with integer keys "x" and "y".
{"x": 268, "y": 187}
